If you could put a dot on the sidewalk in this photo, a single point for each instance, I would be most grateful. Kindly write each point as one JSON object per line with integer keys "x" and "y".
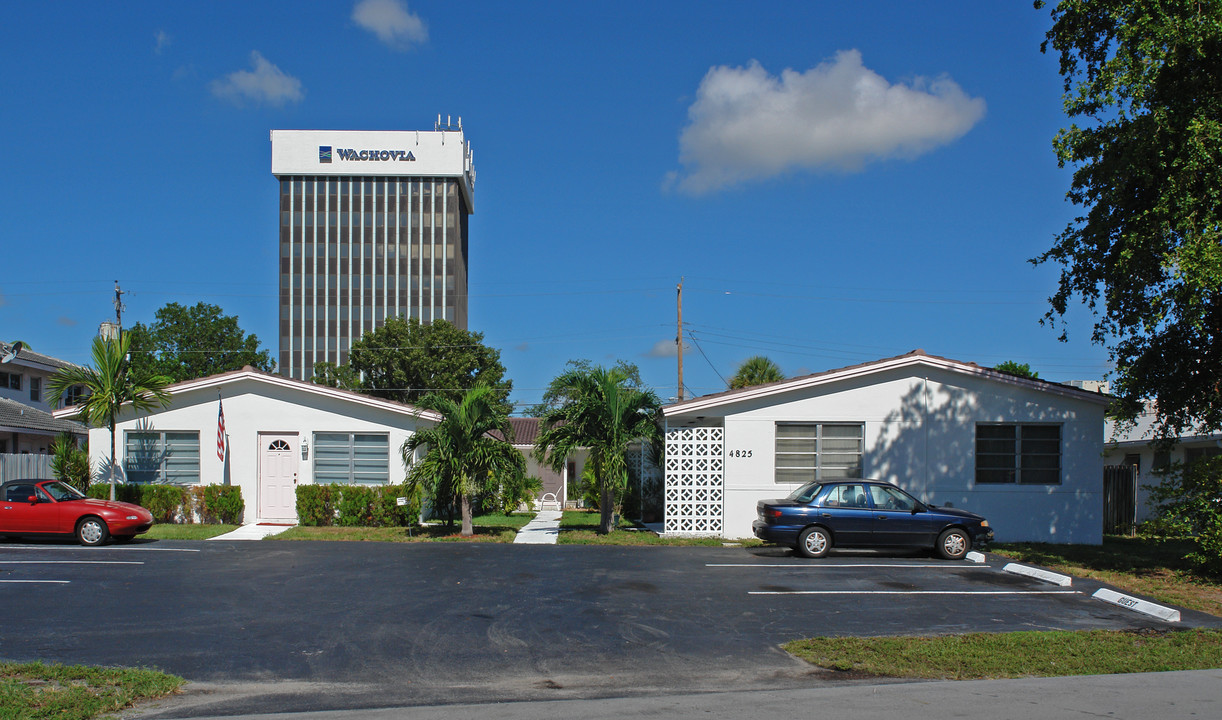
{"x": 543, "y": 530}
{"x": 253, "y": 531}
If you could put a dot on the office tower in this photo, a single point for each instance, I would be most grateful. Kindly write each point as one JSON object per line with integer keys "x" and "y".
{"x": 373, "y": 225}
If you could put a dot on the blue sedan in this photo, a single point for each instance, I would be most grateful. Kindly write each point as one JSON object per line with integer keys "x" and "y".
{"x": 866, "y": 513}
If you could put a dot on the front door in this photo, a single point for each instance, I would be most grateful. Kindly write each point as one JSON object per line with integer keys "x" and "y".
{"x": 278, "y": 476}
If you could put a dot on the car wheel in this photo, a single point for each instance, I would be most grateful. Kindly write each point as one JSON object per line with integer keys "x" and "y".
{"x": 953, "y": 544}
{"x": 814, "y": 542}
{"x": 92, "y": 531}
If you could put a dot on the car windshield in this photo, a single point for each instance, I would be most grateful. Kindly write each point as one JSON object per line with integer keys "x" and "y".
{"x": 62, "y": 491}
{"x": 806, "y": 493}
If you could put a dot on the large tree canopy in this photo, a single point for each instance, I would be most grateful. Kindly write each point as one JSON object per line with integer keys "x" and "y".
{"x": 187, "y": 343}
{"x": 1143, "y": 89}
{"x": 406, "y": 360}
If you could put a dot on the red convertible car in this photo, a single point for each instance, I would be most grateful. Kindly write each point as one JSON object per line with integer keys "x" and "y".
{"x": 50, "y": 507}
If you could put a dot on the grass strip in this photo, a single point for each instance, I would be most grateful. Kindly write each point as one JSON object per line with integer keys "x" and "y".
{"x": 1020, "y": 654}
{"x": 199, "y": 531}
{"x": 1153, "y": 568}
{"x": 34, "y": 691}
{"x": 580, "y": 527}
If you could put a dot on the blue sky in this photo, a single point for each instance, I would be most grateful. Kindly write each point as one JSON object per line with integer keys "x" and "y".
{"x": 836, "y": 183}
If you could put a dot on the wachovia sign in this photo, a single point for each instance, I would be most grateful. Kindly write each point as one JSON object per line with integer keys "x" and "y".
{"x": 325, "y": 154}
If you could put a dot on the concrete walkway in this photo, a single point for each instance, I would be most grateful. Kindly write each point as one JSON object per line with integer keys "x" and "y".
{"x": 253, "y": 531}
{"x": 543, "y": 530}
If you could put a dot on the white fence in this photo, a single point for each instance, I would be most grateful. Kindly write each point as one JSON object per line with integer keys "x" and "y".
{"x": 14, "y": 466}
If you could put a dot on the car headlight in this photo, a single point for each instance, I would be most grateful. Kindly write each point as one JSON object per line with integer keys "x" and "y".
{"x": 133, "y": 517}
{"x": 984, "y": 523}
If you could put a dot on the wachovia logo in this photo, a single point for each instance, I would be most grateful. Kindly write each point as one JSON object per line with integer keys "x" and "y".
{"x": 372, "y": 155}
{"x": 324, "y": 153}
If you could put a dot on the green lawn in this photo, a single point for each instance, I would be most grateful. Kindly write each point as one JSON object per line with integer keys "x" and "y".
{"x": 580, "y": 527}
{"x": 34, "y": 691}
{"x": 168, "y": 531}
{"x": 1018, "y": 654}
{"x": 488, "y": 528}
{"x": 1151, "y": 568}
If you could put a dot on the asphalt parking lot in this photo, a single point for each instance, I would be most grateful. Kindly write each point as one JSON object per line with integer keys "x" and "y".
{"x": 317, "y": 625}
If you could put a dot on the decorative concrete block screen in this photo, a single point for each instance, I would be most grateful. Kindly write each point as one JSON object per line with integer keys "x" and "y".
{"x": 695, "y": 482}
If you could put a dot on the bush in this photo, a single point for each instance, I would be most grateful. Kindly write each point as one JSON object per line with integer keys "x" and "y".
{"x": 223, "y": 504}
{"x": 166, "y": 502}
{"x": 356, "y": 505}
{"x": 315, "y": 505}
{"x": 69, "y": 462}
{"x": 1190, "y": 502}
{"x": 124, "y": 492}
{"x": 175, "y": 503}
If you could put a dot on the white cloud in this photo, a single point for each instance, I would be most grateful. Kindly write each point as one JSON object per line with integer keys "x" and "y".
{"x": 163, "y": 41}
{"x": 265, "y": 83}
{"x": 666, "y": 348}
{"x": 391, "y": 21}
{"x": 748, "y": 125}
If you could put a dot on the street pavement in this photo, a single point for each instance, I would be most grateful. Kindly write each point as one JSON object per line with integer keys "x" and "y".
{"x": 294, "y": 626}
{"x": 1166, "y": 696}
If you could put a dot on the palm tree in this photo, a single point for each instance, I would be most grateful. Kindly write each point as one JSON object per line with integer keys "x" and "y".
{"x": 604, "y": 411}
{"x": 110, "y": 384}
{"x": 461, "y": 454}
{"x": 756, "y": 371}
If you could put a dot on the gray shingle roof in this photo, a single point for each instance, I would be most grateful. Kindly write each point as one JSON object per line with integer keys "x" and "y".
{"x": 20, "y": 416}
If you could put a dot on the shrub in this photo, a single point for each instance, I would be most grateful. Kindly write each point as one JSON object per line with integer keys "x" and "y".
{"x": 387, "y": 512}
{"x": 315, "y": 505}
{"x": 166, "y": 502}
{"x": 69, "y": 462}
{"x": 1190, "y": 500}
{"x": 124, "y": 492}
{"x": 356, "y": 505}
{"x": 223, "y": 504}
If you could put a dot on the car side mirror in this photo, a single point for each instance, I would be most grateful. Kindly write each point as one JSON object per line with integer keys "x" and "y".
{"x": 918, "y": 508}
{"x": 33, "y": 499}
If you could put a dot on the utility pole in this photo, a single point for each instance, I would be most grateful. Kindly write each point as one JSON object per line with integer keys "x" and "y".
{"x": 679, "y": 337}
{"x": 119, "y": 307}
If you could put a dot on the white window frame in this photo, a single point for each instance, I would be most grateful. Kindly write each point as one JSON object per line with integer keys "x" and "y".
{"x": 177, "y": 465}
{"x": 1027, "y": 456}
{"x": 786, "y": 472}
{"x": 344, "y": 463}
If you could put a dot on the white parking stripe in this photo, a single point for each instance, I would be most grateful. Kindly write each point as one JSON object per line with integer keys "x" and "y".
{"x": 914, "y": 592}
{"x": 56, "y": 582}
{"x": 856, "y": 565}
{"x": 71, "y": 562}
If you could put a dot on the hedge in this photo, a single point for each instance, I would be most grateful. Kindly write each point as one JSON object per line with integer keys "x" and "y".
{"x": 179, "y": 504}
{"x": 356, "y": 505}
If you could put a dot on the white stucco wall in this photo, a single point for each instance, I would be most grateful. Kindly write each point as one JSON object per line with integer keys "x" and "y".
{"x": 253, "y": 407}
{"x": 919, "y": 429}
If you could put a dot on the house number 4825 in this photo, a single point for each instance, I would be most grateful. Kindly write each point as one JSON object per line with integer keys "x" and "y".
{"x": 740, "y": 453}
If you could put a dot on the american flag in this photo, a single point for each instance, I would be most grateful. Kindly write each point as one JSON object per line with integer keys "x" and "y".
{"x": 220, "y": 431}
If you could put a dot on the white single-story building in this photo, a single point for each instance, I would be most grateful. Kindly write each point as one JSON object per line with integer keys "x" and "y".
{"x": 1026, "y": 454}
{"x": 278, "y": 433}
{"x": 1135, "y": 446}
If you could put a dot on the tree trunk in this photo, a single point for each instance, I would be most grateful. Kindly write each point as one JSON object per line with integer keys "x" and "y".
{"x": 467, "y": 529}
{"x": 112, "y": 458}
{"x": 606, "y": 508}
